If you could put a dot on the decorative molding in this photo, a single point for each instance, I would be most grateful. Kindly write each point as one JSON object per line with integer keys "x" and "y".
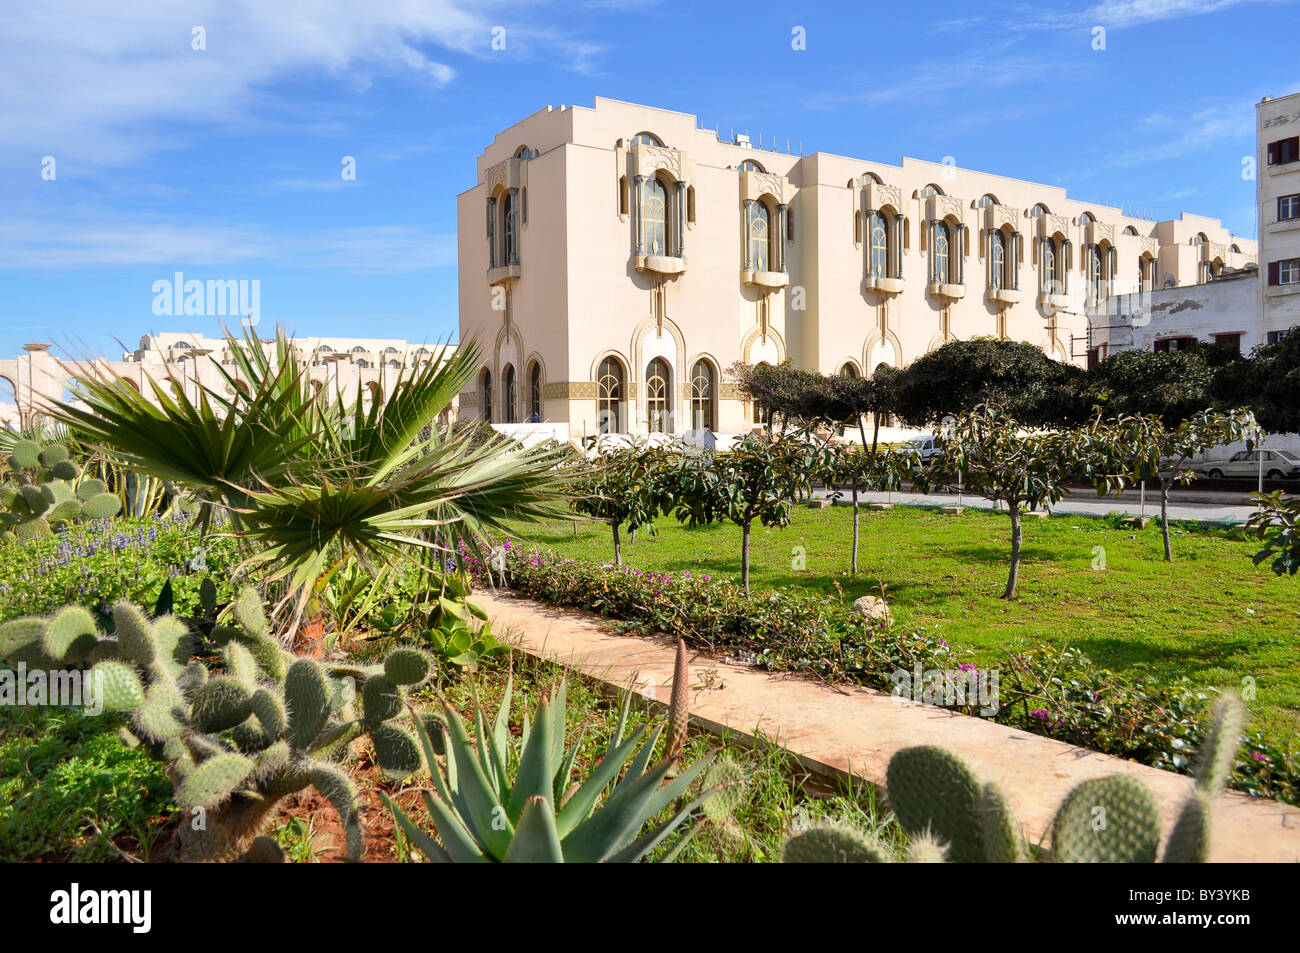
{"x": 877, "y": 197}
{"x": 729, "y": 390}
{"x": 569, "y": 390}
{"x": 939, "y": 207}
{"x": 1149, "y": 245}
{"x": 1049, "y": 225}
{"x": 997, "y": 216}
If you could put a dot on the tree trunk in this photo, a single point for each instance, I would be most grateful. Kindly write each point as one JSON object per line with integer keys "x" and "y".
{"x": 875, "y": 433}
{"x": 1014, "y": 507}
{"x": 744, "y": 554}
{"x": 618, "y": 547}
{"x": 1164, "y": 519}
{"x": 853, "y": 566}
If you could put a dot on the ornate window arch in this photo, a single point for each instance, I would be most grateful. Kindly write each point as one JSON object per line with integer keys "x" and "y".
{"x": 879, "y": 240}
{"x": 987, "y": 199}
{"x": 1039, "y": 209}
{"x": 485, "y": 394}
{"x": 749, "y": 165}
{"x": 997, "y": 260}
{"x": 654, "y": 216}
{"x": 940, "y": 257}
{"x": 658, "y": 395}
{"x": 611, "y": 384}
{"x": 509, "y": 395}
{"x": 758, "y": 227}
{"x": 646, "y": 139}
{"x": 1087, "y": 218}
{"x": 703, "y": 379}
{"x": 534, "y": 391}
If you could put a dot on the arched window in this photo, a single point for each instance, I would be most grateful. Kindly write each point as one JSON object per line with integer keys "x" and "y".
{"x": 507, "y": 229}
{"x": 878, "y": 260}
{"x": 362, "y": 362}
{"x": 1037, "y": 210}
{"x": 1086, "y": 218}
{"x": 658, "y": 395}
{"x": 391, "y": 350}
{"x": 523, "y": 152}
{"x": 939, "y": 251}
{"x": 1199, "y": 239}
{"x": 702, "y": 396}
{"x": 759, "y": 227}
{"x": 930, "y": 190}
{"x": 358, "y": 350}
{"x": 1130, "y": 230}
{"x": 749, "y": 165}
{"x": 1051, "y": 269}
{"x": 987, "y": 200}
{"x": 1094, "y": 271}
{"x": 485, "y": 394}
{"x": 535, "y": 392}
{"x": 645, "y": 139}
{"x": 394, "y": 364}
{"x": 322, "y": 348}
{"x": 509, "y": 395}
{"x": 609, "y": 396}
{"x": 997, "y": 260}
{"x": 654, "y": 218}
{"x": 757, "y": 413}
{"x": 849, "y": 371}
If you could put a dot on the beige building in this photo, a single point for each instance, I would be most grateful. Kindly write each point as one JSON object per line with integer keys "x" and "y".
{"x": 614, "y": 261}
{"x": 335, "y": 366}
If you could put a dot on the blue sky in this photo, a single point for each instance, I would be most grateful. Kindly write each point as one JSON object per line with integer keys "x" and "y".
{"x": 224, "y": 162}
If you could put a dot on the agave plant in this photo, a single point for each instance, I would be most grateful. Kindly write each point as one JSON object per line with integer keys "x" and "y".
{"x": 485, "y": 812}
{"x": 309, "y": 480}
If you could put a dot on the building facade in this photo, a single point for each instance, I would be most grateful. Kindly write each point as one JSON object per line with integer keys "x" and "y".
{"x": 1278, "y": 188}
{"x": 614, "y": 261}
{"x": 1240, "y": 309}
{"x": 345, "y": 366}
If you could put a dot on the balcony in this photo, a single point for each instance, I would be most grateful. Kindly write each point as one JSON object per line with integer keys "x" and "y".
{"x": 943, "y": 289}
{"x": 767, "y": 279}
{"x": 659, "y": 264}
{"x": 890, "y": 286}
{"x": 1004, "y": 295}
{"x": 1052, "y": 303}
{"x": 502, "y": 273}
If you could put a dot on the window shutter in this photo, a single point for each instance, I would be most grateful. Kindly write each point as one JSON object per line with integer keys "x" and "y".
{"x": 1272, "y": 272}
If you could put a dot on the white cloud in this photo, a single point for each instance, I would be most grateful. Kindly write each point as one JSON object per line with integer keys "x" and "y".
{"x": 104, "y": 84}
{"x": 1172, "y": 136}
{"x": 379, "y": 249}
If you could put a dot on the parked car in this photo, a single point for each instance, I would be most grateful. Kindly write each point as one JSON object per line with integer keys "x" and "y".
{"x": 923, "y": 449}
{"x": 1245, "y": 464}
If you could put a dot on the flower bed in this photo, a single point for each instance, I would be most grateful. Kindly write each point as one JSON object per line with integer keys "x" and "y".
{"x": 1061, "y": 694}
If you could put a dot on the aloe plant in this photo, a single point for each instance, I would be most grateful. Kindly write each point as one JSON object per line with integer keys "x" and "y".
{"x": 495, "y": 799}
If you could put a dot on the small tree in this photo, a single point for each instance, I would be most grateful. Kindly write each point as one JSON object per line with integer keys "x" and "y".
{"x": 1004, "y": 462}
{"x": 760, "y": 480}
{"x": 1277, "y": 523}
{"x": 1143, "y": 447}
{"x": 622, "y": 487}
{"x": 861, "y": 469}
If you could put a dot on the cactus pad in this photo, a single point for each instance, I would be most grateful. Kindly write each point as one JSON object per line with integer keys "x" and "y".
{"x": 933, "y": 790}
{"x": 832, "y": 844}
{"x": 1107, "y": 820}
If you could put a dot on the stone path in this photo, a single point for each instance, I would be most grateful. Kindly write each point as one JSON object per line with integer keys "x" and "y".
{"x": 855, "y": 731}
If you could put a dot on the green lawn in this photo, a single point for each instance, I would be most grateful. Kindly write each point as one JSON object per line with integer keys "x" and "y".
{"x": 1210, "y": 615}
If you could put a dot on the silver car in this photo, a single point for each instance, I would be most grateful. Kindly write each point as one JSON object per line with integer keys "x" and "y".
{"x": 1277, "y": 465}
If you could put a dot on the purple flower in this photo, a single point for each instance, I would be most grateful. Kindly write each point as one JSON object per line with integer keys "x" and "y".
{"x": 1259, "y": 756}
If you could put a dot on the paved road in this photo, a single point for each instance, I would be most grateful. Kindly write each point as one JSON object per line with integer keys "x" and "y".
{"x": 1081, "y": 503}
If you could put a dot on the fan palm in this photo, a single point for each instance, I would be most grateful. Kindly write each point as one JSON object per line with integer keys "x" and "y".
{"x": 307, "y": 480}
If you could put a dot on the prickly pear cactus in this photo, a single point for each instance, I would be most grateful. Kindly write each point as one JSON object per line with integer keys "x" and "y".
{"x": 44, "y": 489}
{"x": 259, "y": 726}
{"x": 933, "y": 790}
{"x": 1107, "y": 820}
{"x": 833, "y": 844}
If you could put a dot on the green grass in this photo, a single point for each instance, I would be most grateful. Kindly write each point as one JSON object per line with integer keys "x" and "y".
{"x": 1210, "y": 615}
{"x": 62, "y": 775}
